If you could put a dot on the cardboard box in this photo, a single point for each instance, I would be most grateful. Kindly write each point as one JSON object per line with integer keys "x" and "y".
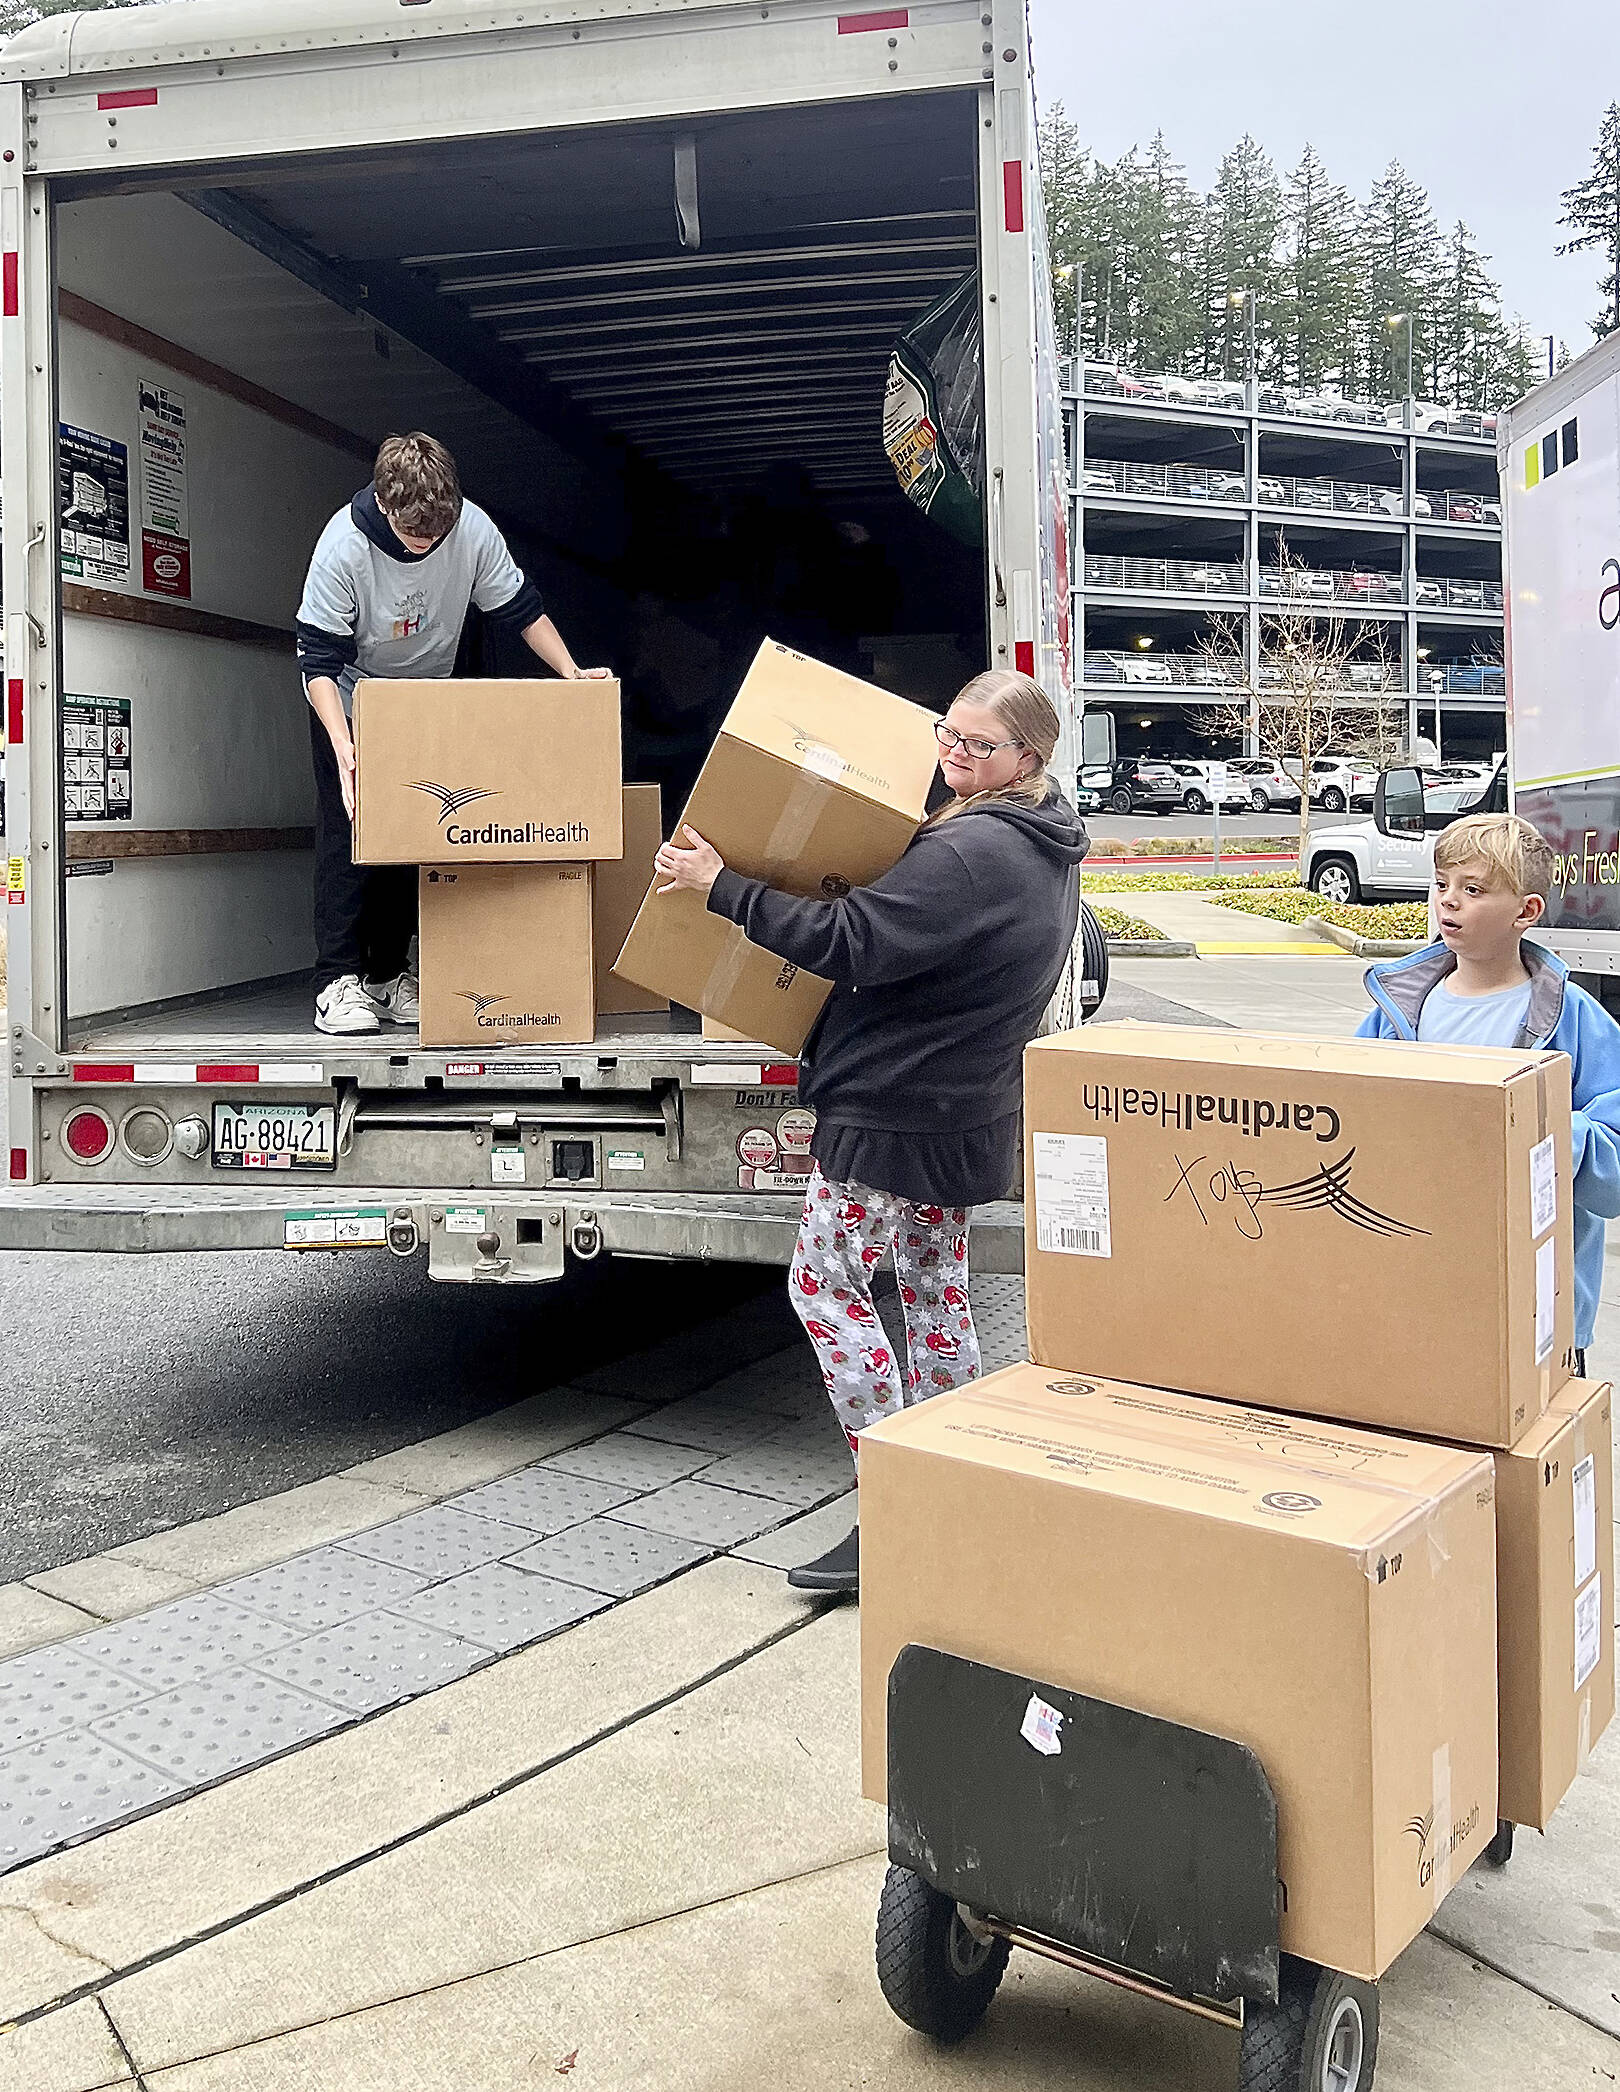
{"x": 506, "y": 955}
{"x": 487, "y": 773}
{"x": 620, "y": 888}
{"x": 816, "y": 783}
{"x": 1337, "y": 1226}
{"x": 1322, "y": 1595}
{"x": 1555, "y": 1599}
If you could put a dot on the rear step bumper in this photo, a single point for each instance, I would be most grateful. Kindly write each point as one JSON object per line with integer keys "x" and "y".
{"x": 470, "y": 1235}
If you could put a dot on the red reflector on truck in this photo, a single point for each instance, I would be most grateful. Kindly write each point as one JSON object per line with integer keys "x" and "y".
{"x": 1024, "y": 656}
{"x": 19, "y": 1165}
{"x": 9, "y": 266}
{"x": 128, "y": 98}
{"x": 88, "y": 1135}
{"x": 780, "y": 1075}
{"x": 14, "y": 710}
{"x": 882, "y": 18}
{"x": 1012, "y": 184}
{"x": 227, "y": 1071}
{"x": 103, "y": 1071}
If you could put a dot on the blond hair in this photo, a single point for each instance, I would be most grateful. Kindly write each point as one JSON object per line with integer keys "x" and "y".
{"x": 1517, "y": 858}
{"x": 418, "y": 486}
{"x": 1029, "y": 717}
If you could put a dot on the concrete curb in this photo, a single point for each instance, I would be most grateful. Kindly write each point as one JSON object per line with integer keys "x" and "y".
{"x": 1363, "y": 947}
{"x": 1150, "y": 948}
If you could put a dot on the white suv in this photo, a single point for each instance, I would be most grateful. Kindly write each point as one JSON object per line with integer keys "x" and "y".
{"x": 1266, "y": 782}
{"x": 1203, "y": 783}
{"x": 1337, "y": 784}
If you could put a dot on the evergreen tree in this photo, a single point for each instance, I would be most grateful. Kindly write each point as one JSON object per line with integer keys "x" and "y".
{"x": 1165, "y": 240}
{"x": 1243, "y": 224}
{"x": 1592, "y": 210}
{"x": 1401, "y": 258}
{"x": 1317, "y": 320}
{"x": 1465, "y": 331}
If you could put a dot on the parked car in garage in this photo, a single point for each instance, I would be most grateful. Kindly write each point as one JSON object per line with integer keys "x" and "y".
{"x": 1268, "y": 784}
{"x": 1204, "y": 784}
{"x": 1133, "y": 784}
{"x": 1337, "y": 783}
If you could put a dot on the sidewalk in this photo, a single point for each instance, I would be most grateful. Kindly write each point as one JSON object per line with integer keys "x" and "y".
{"x": 635, "y": 1856}
{"x": 1194, "y": 918}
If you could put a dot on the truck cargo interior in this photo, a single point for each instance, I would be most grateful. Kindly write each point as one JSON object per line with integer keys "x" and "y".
{"x": 659, "y": 355}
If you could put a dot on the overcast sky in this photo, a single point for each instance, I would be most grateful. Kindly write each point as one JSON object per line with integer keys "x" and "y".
{"x": 1495, "y": 109}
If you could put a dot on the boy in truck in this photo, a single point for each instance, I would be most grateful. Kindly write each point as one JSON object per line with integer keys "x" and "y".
{"x": 1485, "y": 983}
{"x": 389, "y": 587}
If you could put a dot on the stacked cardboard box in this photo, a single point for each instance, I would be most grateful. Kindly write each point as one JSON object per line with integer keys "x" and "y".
{"x": 1227, "y": 1235}
{"x": 533, "y": 855}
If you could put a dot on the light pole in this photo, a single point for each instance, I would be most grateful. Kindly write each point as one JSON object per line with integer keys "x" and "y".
{"x": 1250, "y": 374}
{"x": 1392, "y": 320}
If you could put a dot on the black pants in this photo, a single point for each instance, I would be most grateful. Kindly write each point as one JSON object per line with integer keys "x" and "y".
{"x": 365, "y": 915}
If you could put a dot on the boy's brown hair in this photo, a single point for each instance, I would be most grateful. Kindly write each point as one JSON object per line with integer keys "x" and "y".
{"x": 418, "y": 487}
{"x": 1516, "y": 857}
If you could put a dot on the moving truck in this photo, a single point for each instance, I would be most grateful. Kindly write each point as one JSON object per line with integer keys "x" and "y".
{"x": 641, "y": 263}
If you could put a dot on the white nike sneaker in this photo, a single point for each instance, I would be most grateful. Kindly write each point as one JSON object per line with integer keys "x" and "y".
{"x": 398, "y": 1001}
{"x": 344, "y": 1007}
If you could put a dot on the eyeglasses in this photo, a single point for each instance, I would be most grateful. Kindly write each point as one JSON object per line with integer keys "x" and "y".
{"x": 973, "y": 745}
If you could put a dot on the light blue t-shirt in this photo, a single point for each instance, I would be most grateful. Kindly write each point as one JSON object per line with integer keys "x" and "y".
{"x": 1473, "y": 1020}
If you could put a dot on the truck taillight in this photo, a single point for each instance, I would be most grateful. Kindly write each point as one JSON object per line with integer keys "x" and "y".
{"x": 88, "y": 1134}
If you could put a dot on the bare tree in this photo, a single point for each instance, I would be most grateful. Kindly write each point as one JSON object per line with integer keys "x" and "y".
{"x": 1316, "y": 688}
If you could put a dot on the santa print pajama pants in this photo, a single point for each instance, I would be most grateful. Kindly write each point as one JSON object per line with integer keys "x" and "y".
{"x": 843, "y": 1238}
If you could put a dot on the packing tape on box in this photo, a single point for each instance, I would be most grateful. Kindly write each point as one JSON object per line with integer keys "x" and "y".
{"x": 1541, "y": 1135}
{"x": 1583, "y": 1737}
{"x": 1439, "y": 1833}
{"x": 726, "y": 971}
{"x": 795, "y": 824}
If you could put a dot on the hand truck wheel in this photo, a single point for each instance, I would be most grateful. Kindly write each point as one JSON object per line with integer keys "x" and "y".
{"x": 937, "y": 1975}
{"x": 1320, "y": 2036}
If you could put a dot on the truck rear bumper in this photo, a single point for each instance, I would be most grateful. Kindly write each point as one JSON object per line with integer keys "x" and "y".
{"x": 704, "y": 1227}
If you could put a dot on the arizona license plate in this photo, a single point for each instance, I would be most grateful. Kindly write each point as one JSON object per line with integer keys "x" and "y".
{"x": 275, "y": 1136}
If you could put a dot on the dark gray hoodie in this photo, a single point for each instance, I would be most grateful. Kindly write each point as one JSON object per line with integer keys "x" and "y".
{"x": 941, "y": 970}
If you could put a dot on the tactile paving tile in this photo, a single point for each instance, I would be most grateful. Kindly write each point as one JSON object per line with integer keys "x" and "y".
{"x": 52, "y": 1690}
{"x": 695, "y": 1511}
{"x": 188, "y": 1639}
{"x": 56, "y": 1791}
{"x": 500, "y": 1607}
{"x": 374, "y": 1662}
{"x": 788, "y": 1383}
{"x": 637, "y": 1463}
{"x": 317, "y": 1590}
{"x": 436, "y": 1542}
{"x": 716, "y": 1427}
{"x": 541, "y": 1502}
{"x": 604, "y": 1555}
{"x": 208, "y": 1729}
{"x": 798, "y": 1467}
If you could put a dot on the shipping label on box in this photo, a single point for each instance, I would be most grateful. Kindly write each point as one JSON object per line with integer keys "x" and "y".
{"x": 816, "y": 784}
{"x": 1237, "y": 1572}
{"x": 487, "y": 772}
{"x": 506, "y": 955}
{"x": 1351, "y": 1228}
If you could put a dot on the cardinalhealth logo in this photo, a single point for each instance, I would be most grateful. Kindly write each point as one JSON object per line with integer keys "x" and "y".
{"x": 480, "y": 1003}
{"x": 450, "y": 801}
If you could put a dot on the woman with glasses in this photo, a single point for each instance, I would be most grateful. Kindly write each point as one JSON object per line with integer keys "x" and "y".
{"x": 941, "y": 972}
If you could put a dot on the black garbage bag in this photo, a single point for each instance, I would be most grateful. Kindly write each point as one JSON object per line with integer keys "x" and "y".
{"x": 933, "y": 412}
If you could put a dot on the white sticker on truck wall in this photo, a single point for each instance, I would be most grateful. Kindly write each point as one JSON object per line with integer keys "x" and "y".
{"x": 1071, "y": 1195}
{"x": 1543, "y": 1188}
{"x": 1546, "y": 1299}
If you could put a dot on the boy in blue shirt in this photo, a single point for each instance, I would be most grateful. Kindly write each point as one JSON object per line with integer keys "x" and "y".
{"x": 1486, "y": 984}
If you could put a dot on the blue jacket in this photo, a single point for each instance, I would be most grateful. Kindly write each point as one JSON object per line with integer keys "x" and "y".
{"x": 1563, "y": 1019}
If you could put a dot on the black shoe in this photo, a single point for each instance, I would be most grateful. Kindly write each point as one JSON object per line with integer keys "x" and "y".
{"x": 837, "y": 1570}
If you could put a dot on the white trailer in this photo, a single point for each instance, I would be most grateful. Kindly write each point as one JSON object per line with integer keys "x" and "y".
{"x": 1559, "y": 451}
{"x": 622, "y": 255}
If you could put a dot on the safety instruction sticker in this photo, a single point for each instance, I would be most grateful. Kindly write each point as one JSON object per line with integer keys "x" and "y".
{"x": 1040, "y": 1727}
{"x": 464, "y": 1220}
{"x": 508, "y": 1166}
{"x": 1543, "y": 1188}
{"x": 16, "y": 881}
{"x": 626, "y": 1158}
{"x": 97, "y": 758}
{"x": 1071, "y": 1194}
{"x": 1585, "y": 1481}
{"x": 93, "y": 492}
{"x": 1588, "y": 1630}
{"x": 1546, "y": 1298}
{"x": 361, "y": 1227}
{"x": 165, "y": 508}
